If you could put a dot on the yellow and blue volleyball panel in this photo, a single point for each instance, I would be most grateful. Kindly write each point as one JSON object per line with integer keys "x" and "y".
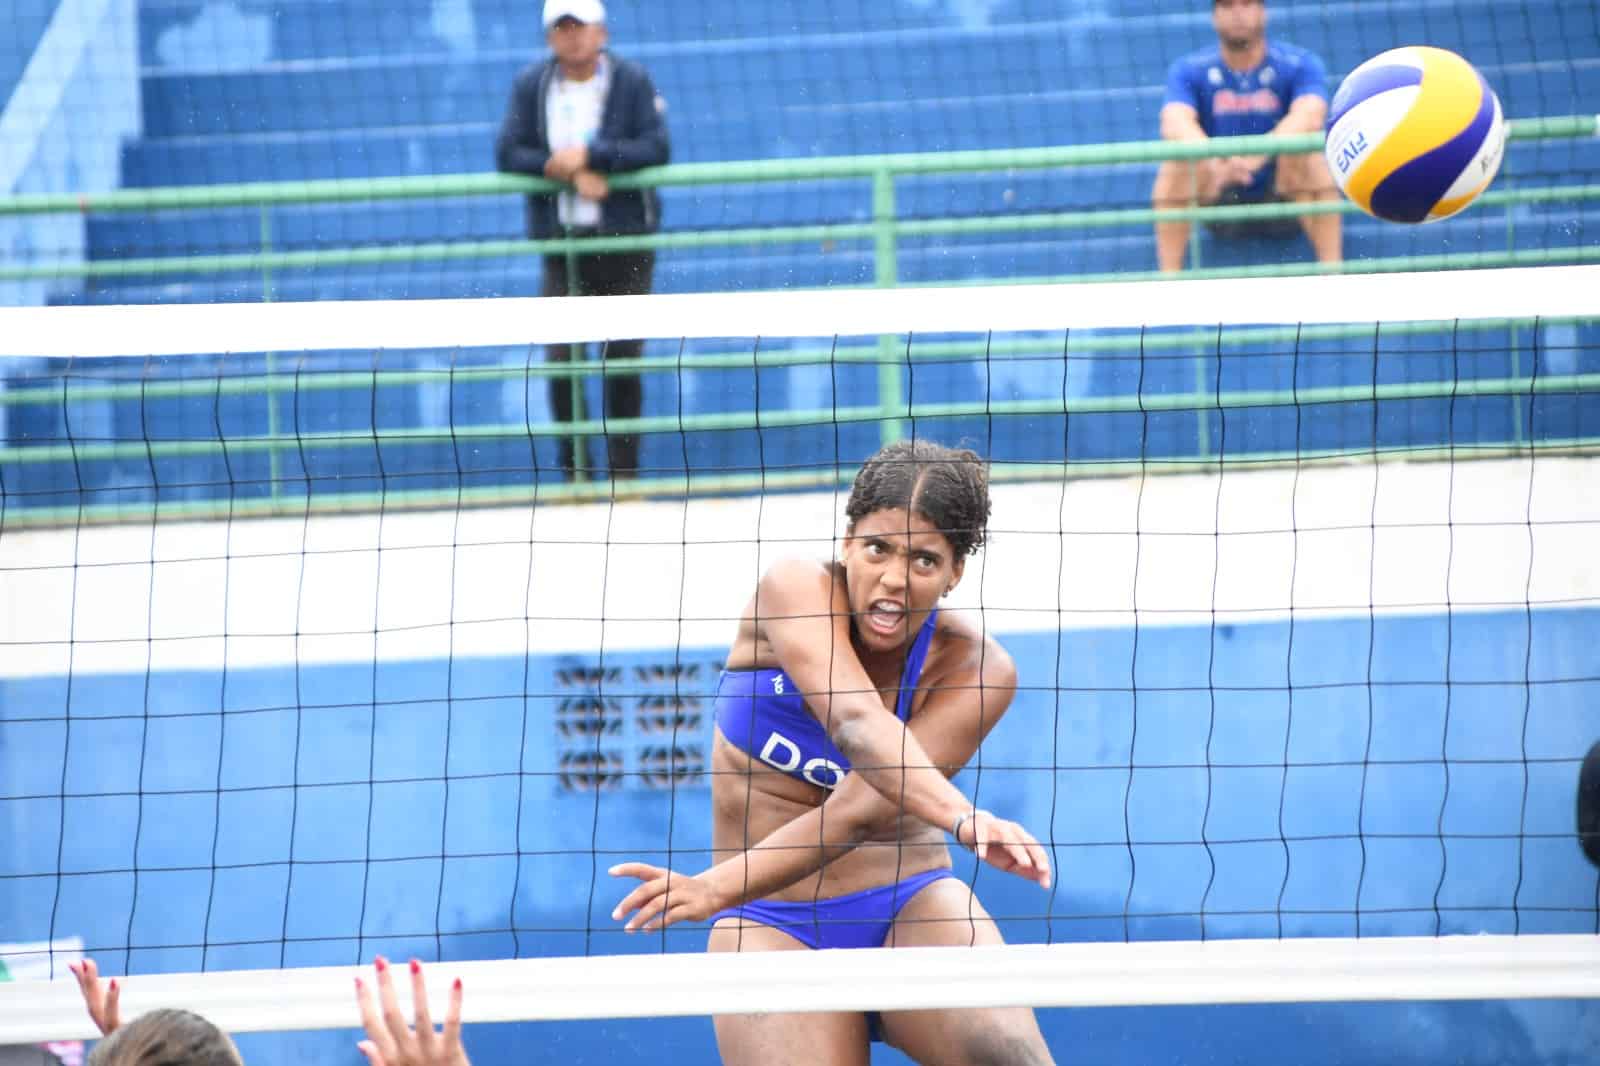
{"x": 1415, "y": 135}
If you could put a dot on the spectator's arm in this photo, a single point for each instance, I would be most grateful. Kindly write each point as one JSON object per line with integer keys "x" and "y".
{"x": 1180, "y": 108}
{"x": 1180, "y": 122}
{"x": 646, "y": 146}
{"x": 1308, "y": 102}
{"x": 518, "y": 149}
{"x": 1306, "y": 115}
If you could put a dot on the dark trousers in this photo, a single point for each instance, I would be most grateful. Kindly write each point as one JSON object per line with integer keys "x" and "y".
{"x": 626, "y": 274}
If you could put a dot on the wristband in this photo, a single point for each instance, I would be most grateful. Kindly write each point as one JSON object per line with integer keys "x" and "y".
{"x": 955, "y": 830}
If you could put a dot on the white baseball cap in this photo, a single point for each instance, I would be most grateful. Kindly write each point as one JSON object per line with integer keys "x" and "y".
{"x": 587, "y": 11}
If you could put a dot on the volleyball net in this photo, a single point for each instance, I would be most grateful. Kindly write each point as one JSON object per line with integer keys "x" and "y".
{"x": 313, "y": 651}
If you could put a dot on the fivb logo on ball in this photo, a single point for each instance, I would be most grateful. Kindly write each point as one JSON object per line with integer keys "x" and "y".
{"x": 1415, "y": 135}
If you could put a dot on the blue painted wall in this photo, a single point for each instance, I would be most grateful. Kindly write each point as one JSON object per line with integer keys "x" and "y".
{"x": 1402, "y": 775}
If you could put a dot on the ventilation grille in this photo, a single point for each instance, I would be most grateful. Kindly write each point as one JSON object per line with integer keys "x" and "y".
{"x": 641, "y": 726}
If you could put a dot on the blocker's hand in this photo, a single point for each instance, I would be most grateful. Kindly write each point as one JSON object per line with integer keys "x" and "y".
{"x": 663, "y": 898}
{"x": 101, "y": 1000}
{"x": 390, "y": 1041}
{"x": 1005, "y": 846}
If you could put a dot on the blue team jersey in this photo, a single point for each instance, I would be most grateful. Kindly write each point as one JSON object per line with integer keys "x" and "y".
{"x": 1235, "y": 104}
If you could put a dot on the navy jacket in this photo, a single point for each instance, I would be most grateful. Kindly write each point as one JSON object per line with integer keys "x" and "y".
{"x": 633, "y": 135}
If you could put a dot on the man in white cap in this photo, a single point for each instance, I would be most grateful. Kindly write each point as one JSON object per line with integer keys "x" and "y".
{"x": 575, "y": 117}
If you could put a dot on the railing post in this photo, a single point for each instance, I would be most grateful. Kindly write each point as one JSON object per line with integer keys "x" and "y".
{"x": 1194, "y": 227}
{"x": 1508, "y": 183}
{"x": 887, "y": 276}
{"x": 578, "y": 353}
{"x": 273, "y": 465}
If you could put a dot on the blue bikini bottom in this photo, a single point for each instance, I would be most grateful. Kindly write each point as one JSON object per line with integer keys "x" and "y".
{"x": 858, "y": 920}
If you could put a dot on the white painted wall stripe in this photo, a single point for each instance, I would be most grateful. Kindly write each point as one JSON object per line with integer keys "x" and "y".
{"x": 1482, "y": 535}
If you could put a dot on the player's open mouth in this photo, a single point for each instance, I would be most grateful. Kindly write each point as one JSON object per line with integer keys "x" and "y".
{"x": 885, "y": 616}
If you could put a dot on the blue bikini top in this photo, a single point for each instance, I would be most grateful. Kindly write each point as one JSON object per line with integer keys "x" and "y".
{"x": 763, "y": 713}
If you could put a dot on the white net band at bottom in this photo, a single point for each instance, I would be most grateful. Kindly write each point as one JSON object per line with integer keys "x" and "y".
{"x": 875, "y": 979}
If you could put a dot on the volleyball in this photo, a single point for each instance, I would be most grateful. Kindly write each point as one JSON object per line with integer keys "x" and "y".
{"x": 1415, "y": 135}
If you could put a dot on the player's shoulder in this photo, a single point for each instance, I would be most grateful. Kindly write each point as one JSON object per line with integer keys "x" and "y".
{"x": 798, "y": 577}
{"x": 965, "y": 648}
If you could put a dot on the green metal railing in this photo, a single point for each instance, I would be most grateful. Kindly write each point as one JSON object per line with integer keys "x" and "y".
{"x": 1199, "y": 344}
{"x": 889, "y": 409}
{"x": 884, "y": 229}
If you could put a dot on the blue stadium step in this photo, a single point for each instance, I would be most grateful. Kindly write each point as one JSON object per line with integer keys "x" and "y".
{"x": 341, "y": 153}
{"x": 299, "y": 228}
{"x": 469, "y": 147}
{"x": 410, "y": 92}
{"x": 771, "y": 80}
{"x": 289, "y": 29}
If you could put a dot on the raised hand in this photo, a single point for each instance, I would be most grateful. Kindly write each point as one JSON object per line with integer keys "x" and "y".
{"x": 1005, "y": 846}
{"x": 390, "y": 1041}
{"x": 663, "y": 898}
{"x": 101, "y": 1000}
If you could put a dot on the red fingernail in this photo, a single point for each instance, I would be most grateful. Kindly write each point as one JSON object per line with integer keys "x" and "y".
{"x": 380, "y": 964}
{"x": 358, "y": 984}
{"x": 416, "y": 967}
{"x": 458, "y": 984}
{"x": 113, "y": 984}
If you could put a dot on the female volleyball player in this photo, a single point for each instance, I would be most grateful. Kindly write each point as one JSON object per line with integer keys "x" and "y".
{"x": 846, "y": 700}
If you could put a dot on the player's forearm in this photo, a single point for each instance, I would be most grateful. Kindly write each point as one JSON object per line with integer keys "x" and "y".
{"x": 787, "y": 855}
{"x": 888, "y": 757}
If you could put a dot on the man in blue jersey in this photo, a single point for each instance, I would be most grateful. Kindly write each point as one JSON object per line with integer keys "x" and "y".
{"x": 1242, "y": 87}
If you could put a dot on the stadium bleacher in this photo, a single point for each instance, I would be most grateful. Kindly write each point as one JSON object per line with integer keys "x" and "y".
{"x": 361, "y": 88}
